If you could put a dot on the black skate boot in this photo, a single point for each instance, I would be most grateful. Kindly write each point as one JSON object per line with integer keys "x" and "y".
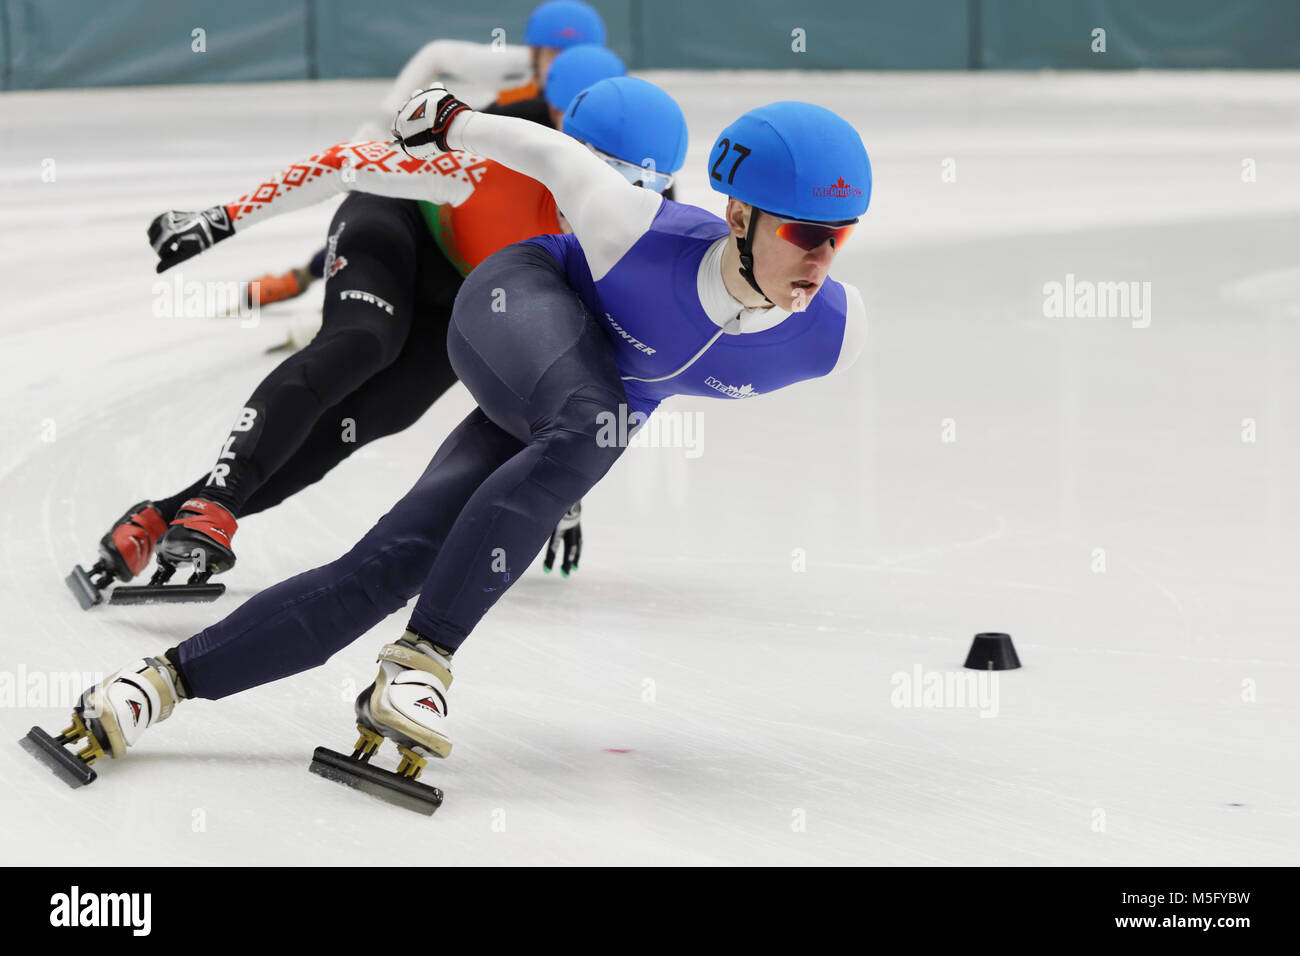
{"x": 199, "y": 535}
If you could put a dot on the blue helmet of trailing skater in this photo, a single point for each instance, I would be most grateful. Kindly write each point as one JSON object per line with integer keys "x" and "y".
{"x": 564, "y": 23}
{"x": 576, "y": 69}
{"x": 633, "y": 121}
{"x": 795, "y": 160}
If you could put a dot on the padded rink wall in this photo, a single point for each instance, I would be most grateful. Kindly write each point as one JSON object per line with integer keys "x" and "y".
{"x": 72, "y": 43}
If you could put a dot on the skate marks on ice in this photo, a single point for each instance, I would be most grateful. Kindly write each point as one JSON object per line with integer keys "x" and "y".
{"x": 766, "y": 733}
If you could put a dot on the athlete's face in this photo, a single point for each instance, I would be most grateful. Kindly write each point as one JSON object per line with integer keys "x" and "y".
{"x": 789, "y": 275}
{"x": 542, "y": 57}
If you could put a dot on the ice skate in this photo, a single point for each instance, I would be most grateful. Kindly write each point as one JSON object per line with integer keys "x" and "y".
{"x": 278, "y": 288}
{"x": 123, "y": 553}
{"x": 406, "y": 704}
{"x": 110, "y": 718}
{"x": 199, "y": 535}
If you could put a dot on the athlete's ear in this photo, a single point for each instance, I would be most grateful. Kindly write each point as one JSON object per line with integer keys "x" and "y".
{"x": 738, "y": 214}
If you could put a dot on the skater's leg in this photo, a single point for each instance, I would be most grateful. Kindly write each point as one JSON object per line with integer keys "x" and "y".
{"x": 299, "y": 623}
{"x": 387, "y": 404}
{"x": 170, "y": 505}
{"x": 366, "y": 323}
{"x": 371, "y": 297}
{"x": 544, "y": 371}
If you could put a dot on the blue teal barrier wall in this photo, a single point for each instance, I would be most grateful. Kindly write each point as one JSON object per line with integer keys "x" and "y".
{"x": 87, "y": 43}
{"x": 786, "y": 35}
{"x": 1028, "y": 34}
{"x": 67, "y": 43}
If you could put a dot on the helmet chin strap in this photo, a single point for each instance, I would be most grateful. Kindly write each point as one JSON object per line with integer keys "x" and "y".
{"x": 746, "y": 247}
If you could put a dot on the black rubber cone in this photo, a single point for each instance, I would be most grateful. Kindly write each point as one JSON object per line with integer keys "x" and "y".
{"x": 992, "y": 652}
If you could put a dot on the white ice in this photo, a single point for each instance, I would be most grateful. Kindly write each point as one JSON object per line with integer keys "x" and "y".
{"x": 1118, "y": 493}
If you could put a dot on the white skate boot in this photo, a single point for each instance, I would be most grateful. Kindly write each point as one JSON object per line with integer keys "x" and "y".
{"x": 120, "y": 708}
{"x": 407, "y": 703}
{"x": 110, "y": 717}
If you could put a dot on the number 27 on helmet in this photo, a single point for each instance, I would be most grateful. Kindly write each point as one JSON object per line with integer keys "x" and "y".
{"x": 800, "y": 164}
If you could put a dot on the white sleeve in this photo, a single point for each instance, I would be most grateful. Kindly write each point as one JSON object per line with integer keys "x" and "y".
{"x": 855, "y": 329}
{"x": 379, "y": 168}
{"x": 608, "y": 214}
{"x": 476, "y": 71}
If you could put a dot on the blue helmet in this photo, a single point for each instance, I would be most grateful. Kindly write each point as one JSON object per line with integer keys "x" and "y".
{"x": 794, "y": 160}
{"x": 564, "y": 23}
{"x": 576, "y": 69}
{"x": 631, "y": 120}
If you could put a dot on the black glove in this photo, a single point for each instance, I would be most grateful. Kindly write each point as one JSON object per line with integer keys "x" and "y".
{"x": 176, "y": 236}
{"x": 566, "y": 538}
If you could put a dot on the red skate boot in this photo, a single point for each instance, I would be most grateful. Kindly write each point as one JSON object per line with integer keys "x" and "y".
{"x": 199, "y": 535}
{"x": 272, "y": 288}
{"x": 123, "y": 553}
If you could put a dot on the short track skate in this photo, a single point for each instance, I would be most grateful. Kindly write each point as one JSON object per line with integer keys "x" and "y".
{"x": 89, "y": 586}
{"x": 400, "y": 788}
{"x": 73, "y": 768}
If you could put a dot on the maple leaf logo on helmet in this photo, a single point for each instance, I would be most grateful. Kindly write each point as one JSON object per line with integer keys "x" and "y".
{"x": 839, "y": 189}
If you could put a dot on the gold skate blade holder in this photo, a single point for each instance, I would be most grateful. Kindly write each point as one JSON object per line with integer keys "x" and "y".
{"x": 78, "y": 731}
{"x": 367, "y": 744}
{"x": 411, "y": 764}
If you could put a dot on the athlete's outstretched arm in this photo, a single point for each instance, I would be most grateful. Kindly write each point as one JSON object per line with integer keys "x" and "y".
{"x": 608, "y": 214}
{"x": 380, "y": 168}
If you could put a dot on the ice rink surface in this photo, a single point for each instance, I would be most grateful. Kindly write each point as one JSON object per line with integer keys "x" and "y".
{"x": 1117, "y": 492}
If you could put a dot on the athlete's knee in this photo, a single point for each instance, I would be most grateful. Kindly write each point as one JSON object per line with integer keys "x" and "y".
{"x": 584, "y": 435}
{"x": 340, "y": 360}
{"x": 388, "y": 572}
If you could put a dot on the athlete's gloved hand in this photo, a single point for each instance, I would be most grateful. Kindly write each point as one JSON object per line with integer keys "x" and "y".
{"x": 565, "y": 539}
{"x": 176, "y": 236}
{"x": 422, "y": 123}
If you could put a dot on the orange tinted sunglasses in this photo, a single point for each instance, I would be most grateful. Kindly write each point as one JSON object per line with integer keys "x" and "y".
{"x": 809, "y": 235}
